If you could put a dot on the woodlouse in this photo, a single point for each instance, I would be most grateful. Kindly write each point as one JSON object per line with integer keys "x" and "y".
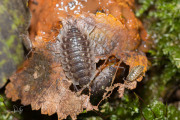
{"x": 77, "y": 57}
{"x": 103, "y": 80}
{"x": 135, "y": 73}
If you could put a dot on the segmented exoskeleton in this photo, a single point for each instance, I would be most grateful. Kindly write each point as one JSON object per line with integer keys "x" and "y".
{"x": 135, "y": 73}
{"x": 103, "y": 80}
{"x": 77, "y": 57}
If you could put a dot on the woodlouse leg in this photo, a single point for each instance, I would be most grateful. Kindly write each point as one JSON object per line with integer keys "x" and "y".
{"x": 116, "y": 72}
{"x": 75, "y": 88}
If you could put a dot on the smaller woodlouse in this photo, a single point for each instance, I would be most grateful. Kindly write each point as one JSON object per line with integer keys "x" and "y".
{"x": 135, "y": 73}
{"x": 103, "y": 80}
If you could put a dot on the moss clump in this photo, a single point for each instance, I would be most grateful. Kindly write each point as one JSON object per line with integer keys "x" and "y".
{"x": 5, "y": 113}
{"x": 126, "y": 108}
{"x": 135, "y": 109}
{"x": 164, "y": 17}
{"x": 158, "y": 111}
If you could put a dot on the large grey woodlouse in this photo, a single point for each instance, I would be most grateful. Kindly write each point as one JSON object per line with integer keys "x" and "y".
{"x": 77, "y": 54}
{"x": 135, "y": 73}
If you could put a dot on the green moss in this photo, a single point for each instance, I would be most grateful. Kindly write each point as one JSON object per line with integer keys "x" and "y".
{"x": 163, "y": 16}
{"x": 158, "y": 111}
{"x": 16, "y": 57}
{"x": 5, "y": 112}
{"x": 165, "y": 26}
{"x": 2, "y": 9}
{"x": 17, "y": 20}
{"x": 127, "y": 108}
{"x": 136, "y": 109}
{"x": 10, "y": 41}
{"x": 2, "y": 62}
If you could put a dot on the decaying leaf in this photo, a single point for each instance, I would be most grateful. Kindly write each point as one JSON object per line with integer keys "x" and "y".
{"x": 41, "y": 81}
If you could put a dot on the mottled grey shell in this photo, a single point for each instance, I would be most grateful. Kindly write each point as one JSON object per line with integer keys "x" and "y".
{"x": 77, "y": 53}
{"x": 135, "y": 73}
